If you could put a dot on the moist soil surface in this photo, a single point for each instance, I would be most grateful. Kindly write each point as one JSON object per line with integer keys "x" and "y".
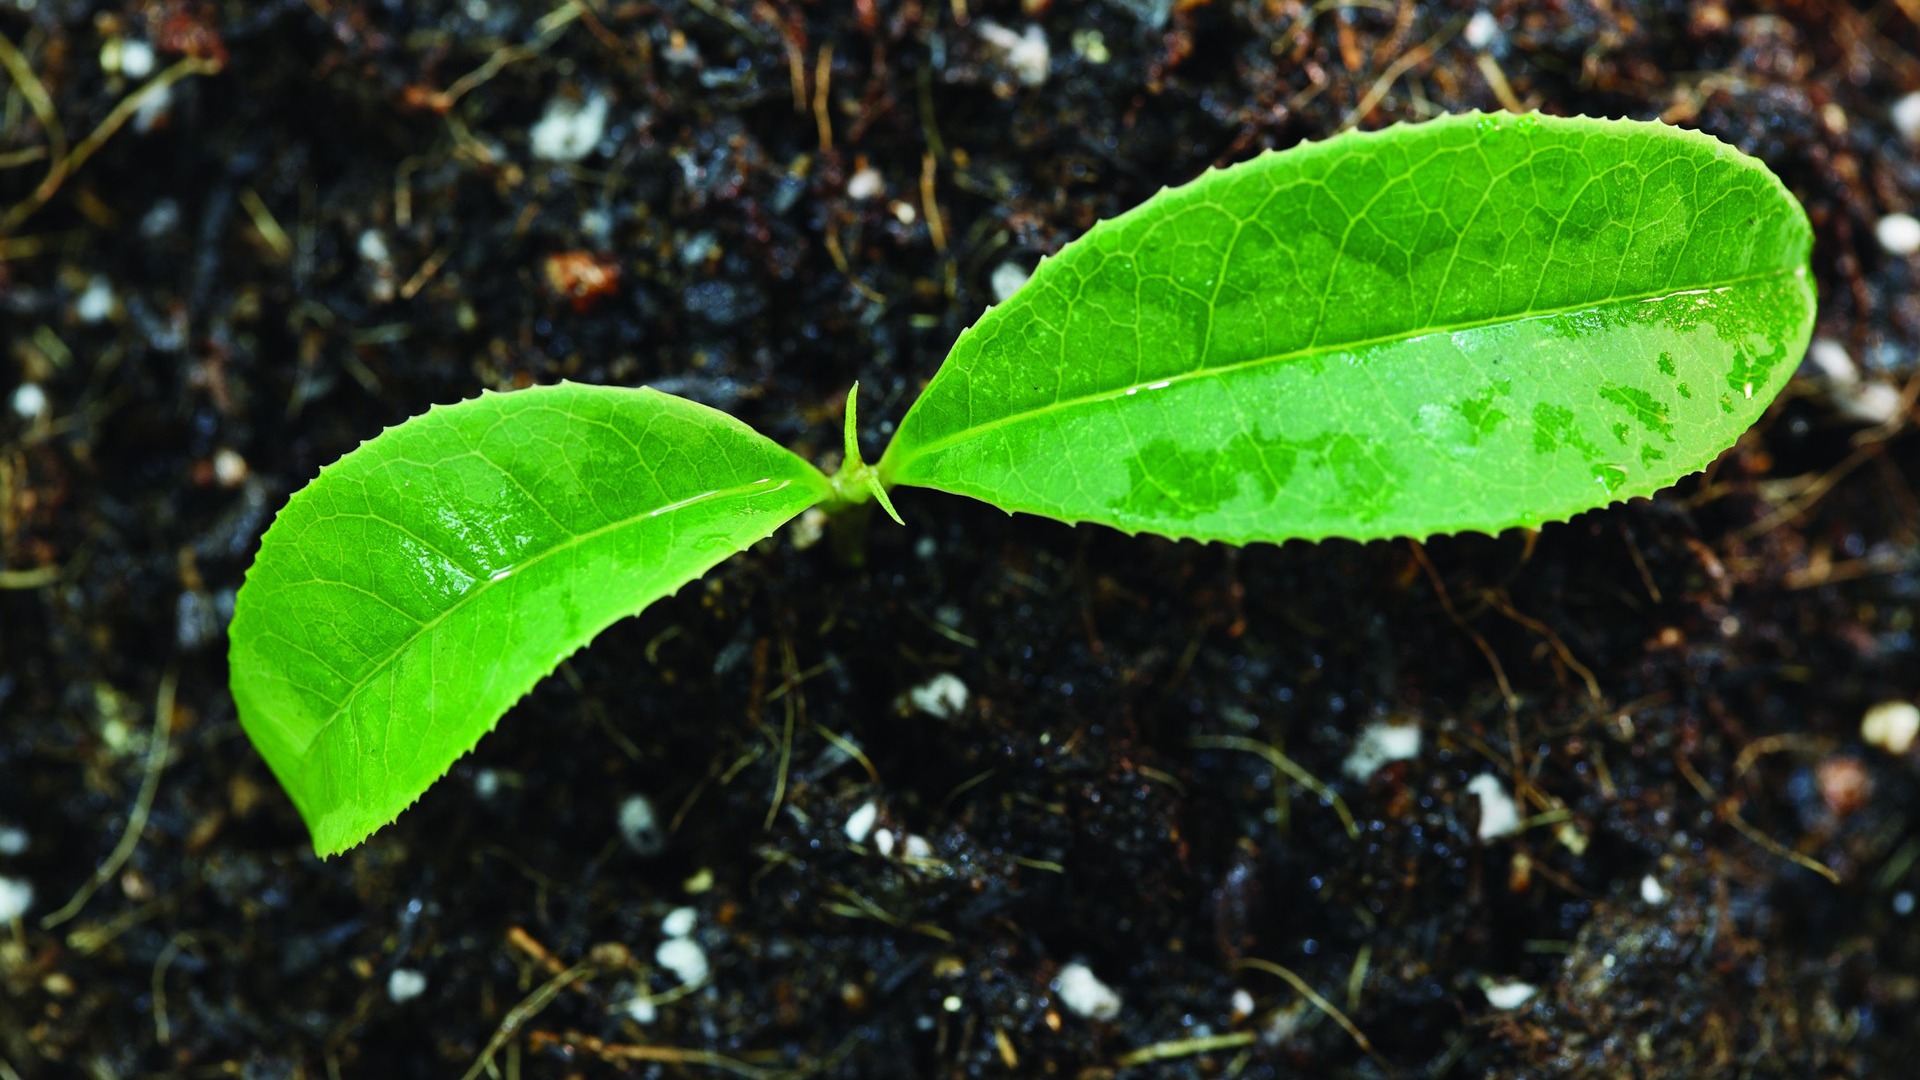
{"x": 236, "y": 239}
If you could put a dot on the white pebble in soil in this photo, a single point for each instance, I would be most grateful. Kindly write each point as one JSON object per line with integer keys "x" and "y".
{"x": 687, "y": 960}
{"x": 1083, "y": 994}
{"x": 29, "y": 401}
{"x": 943, "y": 696}
{"x": 13, "y": 840}
{"x": 569, "y": 130}
{"x": 808, "y": 529}
{"x": 1482, "y": 30}
{"x": 1872, "y": 403}
{"x": 1891, "y": 726}
{"x": 866, "y": 184}
{"x": 1381, "y": 744}
{"x": 229, "y": 468}
{"x": 1906, "y": 117}
{"x": 1027, "y": 55}
{"x": 640, "y": 826}
{"x": 136, "y": 58}
{"x": 1867, "y": 400}
{"x": 373, "y": 247}
{"x": 486, "y": 784}
{"x": 1899, "y": 234}
{"x": 916, "y": 847}
{"x": 642, "y": 1011}
{"x": 860, "y": 823}
{"x": 1833, "y": 360}
{"x": 404, "y": 985}
{"x": 1007, "y": 279}
{"x": 95, "y": 303}
{"x": 16, "y": 896}
{"x": 1652, "y": 892}
{"x": 1508, "y": 995}
{"x": 1498, "y": 815}
{"x": 680, "y": 922}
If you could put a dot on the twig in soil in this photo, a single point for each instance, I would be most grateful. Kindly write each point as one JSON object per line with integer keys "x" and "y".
{"x": 1507, "y": 695}
{"x": 1787, "y": 742}
{"x": 37, "y": 578}
{"x": 666, "y": 1055}
{"x": 1419, "y": 54}
{"x": 929, "y": 123}
{"x": 546, "y": 32}
{"x": 796, "y": 71}
{"x": 162, "y": 1030}
{"x": 1897, "y": 865}
{"x": 965, "y": 786}
{"x": 1724, "y": 808}
{"x": 930, "y": 204}
{"x": 1640, "y": 564}
{"x": 1911, "y": 8}
{"x": 65, "y": 165}
{"x": 1284, "y": 764}
{"x": 38, "y": 99}
{"x": 1504, "y": 605}
{"x": 839, "y": 256}
{"x": 425, "y": 274}
{"x": 529, "y": 1007}
{"x": 142, "y": 806}
{"x": 1497, "y": 82}
{"x": 859, "y": 907}
{"x": 265, "y": 223}
{"x": 1313, "y": 998}
{"x": 526, "y": 943}
{"x": 1812, "y": 493}
{"x": 790, "y": 667}
{"x": 1008, "y": 1055}
{"x": 851, "y": 749}
{"x": 1285, "y": 42}
{"x": 26, "y": 247}
{"x": 822, "y": 79}
{"x": 1179, "y": 1048}
{"x": 664, "y": 998}
{"x": 740, "y": 25}
{"x": 1850, "y": 570}
{"x": 23, "y": 156}
{"x": 91, "y": 939}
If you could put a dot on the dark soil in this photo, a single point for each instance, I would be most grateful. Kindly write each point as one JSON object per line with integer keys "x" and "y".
{"x": 345, "y": 224}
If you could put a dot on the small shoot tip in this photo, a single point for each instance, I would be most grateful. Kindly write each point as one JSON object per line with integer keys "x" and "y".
{"x": 850, "y": 434}
{"x": 879, "y": 491}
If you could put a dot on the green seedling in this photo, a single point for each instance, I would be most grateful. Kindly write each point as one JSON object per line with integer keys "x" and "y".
{"x": 1466, "y": 325}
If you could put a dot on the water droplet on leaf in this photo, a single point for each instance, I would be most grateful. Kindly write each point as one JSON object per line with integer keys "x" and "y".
{"x": 1610, "y": 476}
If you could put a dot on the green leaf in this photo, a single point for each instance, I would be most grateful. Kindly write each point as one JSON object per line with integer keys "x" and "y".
{"x": 423, "y": 583}
{"x": 1469, "y": 324}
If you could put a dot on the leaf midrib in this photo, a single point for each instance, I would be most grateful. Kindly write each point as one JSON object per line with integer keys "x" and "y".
{"x": 575, "y": 541}
{"x": 979, "y": 430}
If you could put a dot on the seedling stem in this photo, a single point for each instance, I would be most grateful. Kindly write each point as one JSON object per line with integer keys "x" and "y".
{"x": 857, "y": 481}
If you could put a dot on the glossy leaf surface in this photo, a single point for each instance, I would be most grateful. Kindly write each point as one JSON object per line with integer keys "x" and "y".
{"x": 422, "y": 584}
{"x": 1468, "y": 324}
